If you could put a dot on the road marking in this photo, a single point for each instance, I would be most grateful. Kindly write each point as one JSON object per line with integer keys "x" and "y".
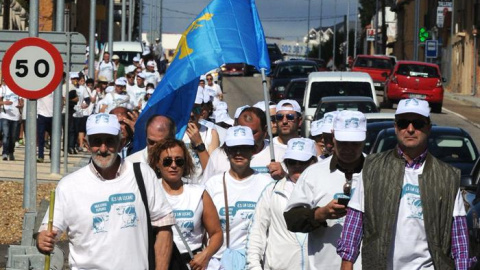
{"x": 462, "y": 117}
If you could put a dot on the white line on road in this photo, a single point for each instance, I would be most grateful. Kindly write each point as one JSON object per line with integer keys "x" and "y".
{"x": 461, "y": 116}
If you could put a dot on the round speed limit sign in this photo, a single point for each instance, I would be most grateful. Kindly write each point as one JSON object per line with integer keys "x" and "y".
{"x": 32, "y": 68}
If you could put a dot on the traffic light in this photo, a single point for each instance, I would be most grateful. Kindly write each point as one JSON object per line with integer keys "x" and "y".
{"x": 423, "y": 34}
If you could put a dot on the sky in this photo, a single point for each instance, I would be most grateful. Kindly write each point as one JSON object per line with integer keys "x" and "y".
{"x": 287, "y": 19}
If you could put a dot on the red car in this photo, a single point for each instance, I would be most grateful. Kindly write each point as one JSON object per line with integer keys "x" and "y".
{"x": 412, "y": 79}
{"x": 375, "y": 66}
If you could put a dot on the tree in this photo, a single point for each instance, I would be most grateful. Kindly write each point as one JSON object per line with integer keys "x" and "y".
{"x": 366, "y": 10}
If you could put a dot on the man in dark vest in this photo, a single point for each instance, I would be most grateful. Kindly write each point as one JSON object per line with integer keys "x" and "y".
{"x": 407, "y": 206}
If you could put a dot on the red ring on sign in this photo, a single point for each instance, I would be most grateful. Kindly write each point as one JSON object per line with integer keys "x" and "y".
{"x": 57, "y": 61}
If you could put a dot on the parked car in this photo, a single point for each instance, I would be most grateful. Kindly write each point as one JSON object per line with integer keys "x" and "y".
{"x": 327, "y": 84}
{"x": 471, "y": 194}
{"x": 237, "y": 69}
{"x": 375, "y": 66}
{"x": 285, "y": 72}
{"x": 450, "y": 144}
{"x": 275, "y": 55}
{"x": 322, "y": 66}
{"x": 412, "y": 79}
{"x": 340, "y": 103}
{"x": 372, "y": 132}
{"x": 296, "y": 89}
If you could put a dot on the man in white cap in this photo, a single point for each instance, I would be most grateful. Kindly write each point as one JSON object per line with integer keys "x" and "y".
{"x": 151, "y": 75}
{"x": 327, "y": 135}
{"x": 213, "y": 90}
{"x": 407, "y": 207}
{"x": 100, "y": 207}
{"x": 270, "y": 243}
{"x": 118, "y": 66}
{"x": 320, "y": 197}
{"x": 273, "y": 110}
{"x": 118, "y": 98}
{"x": 138, "y": 92}
{"x": 106, "y": 68}
{"x": 317, "y": 135}
{"x": 288, "y": 120}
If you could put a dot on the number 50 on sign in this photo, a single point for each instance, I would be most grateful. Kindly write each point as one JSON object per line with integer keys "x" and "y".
{"x": 32, "y": 68}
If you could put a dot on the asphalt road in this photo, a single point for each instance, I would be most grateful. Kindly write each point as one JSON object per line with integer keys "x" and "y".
{"x": 239, "y": 91}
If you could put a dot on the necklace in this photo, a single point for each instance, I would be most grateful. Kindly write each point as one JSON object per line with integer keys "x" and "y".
{"x": 347, "y": 187}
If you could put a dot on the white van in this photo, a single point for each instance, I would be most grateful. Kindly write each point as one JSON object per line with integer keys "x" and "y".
{"x": 326, "y": 84}
{"x": 126, "y": 50}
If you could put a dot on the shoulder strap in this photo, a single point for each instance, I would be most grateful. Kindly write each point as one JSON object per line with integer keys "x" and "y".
{"x": 143, "y": 192}
{"x": 189, "y": 250}
{"x": 227, "y": 214}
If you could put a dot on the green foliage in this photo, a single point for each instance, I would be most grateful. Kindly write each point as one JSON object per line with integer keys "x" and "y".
{"x": 366, "y": 10}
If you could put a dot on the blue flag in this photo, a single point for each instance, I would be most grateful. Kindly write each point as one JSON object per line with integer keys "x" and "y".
{"x": 226, "y": 31}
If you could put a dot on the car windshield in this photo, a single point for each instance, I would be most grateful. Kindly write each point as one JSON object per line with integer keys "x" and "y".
{"x": 295, "y": 71}
{"x": 446, "y": 147}
{"x": 296, "y": 91}
{"x": 414, "y": 70}
{"x": 362, "y": 106}
{"x": 328, "y": 89}
{"x": 374, "y": 63}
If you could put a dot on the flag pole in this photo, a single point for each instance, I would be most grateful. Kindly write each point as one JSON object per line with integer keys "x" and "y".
{"x": 267, "y": 112}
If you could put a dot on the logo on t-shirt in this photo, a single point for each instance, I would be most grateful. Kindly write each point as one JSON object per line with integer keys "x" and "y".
{"x": 243, "y": 209}
{"x": 184, "y": 220}
{"x": 411, "y": 194}
{"x": 122, "y": 205}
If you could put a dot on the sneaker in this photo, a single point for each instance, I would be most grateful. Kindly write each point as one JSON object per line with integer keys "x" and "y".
{"x": 17, "y": 144}
{"x": 11, "y": 157}
{"x": 39, "y": 160}
{"x": 4, "y": 157}
{"x": 70, "y": 151}
{"x": 79, "y": 149}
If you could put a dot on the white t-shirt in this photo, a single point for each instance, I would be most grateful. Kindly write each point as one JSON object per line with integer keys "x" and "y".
{"x": 87, "y": 93}
{"x": 409, "y": 250}
{"x": 242, "y": 199}
{"x": 136, "y": 94}
{"x": 100, "y": 215}
{"x": 45, "y": 105}
{"x": 152, "y": 77}
{"x": 218, "y": 162}
{"x": 78, "y": 109}
{"x": 113, "y": 100}
{"x": 188, "y": 211}
{"x": 10, "y": 112}
{"x": 317, "y": 186}
{"x": 214, "y": 91}
{"x": 206, "y": 135}
{"x": 106, "y": 69}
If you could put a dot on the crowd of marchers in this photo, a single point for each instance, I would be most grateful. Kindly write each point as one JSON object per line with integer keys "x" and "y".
{"x": 230, "y": 196}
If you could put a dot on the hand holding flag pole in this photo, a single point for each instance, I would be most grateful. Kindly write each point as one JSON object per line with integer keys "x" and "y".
{"x": 50, "y": 225}
{"x": 267, "y": 112}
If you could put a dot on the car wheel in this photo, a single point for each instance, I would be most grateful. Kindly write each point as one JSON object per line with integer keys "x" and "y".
{"x": 437, "y": 107}
{"x": 245, "y": 70}
{"x": 386, "y": 102}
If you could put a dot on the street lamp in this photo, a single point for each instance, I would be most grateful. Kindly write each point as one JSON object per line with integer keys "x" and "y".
{"x": 308, "y": 29}
{"x": 474, "y": 86}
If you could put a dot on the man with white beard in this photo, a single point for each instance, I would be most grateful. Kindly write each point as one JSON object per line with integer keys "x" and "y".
{"x": 105, "y": 209}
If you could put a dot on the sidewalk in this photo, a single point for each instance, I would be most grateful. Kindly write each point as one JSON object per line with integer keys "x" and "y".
{"x": 466, "y": 98}
{"x": 14, "y": 170}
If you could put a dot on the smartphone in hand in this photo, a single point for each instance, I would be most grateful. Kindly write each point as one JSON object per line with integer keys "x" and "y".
{"x": 343, "y": 201}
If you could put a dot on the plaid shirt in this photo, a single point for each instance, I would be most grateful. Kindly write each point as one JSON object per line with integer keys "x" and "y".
{"x": 348, "y": 246}
{"x": 416, "y": 162}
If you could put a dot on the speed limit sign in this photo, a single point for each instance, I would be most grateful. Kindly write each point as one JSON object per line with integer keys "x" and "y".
{"x": 32, "y": 68}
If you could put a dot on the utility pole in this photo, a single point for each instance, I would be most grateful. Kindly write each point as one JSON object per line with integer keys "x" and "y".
{"x": 110, "y": 28}
{"x": 474, "y": 85}
{"x": 384, "y": 30}
{"x": 356, "y": 31}
{"x": 161, "y": 21}
{"x": 417, "y": 27}
{"x": 320, "y": 32}
{"x": 308, "y": 30}
{"x": 124, "y": 20}
{"x": 334, "y": 32}
{"x": 347, "y": 31}
{"x": 376, "y": 28}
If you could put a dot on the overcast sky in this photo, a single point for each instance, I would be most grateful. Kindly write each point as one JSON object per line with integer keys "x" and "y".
{"x": 280, "y": 18}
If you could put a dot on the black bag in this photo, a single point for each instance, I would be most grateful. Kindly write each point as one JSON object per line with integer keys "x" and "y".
{"x": 176, "y": 260}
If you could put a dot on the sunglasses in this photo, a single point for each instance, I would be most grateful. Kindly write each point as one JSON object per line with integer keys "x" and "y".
{"x": 209, "y": 79}
{"x": 404, "y": 123}
{"x": 197, "y": 110}
{"x": 289, "y": 116}
{"x": 167, "y": 162}
{"x": 292, "y": 162}
{"x": 273, "y": 118}
{"x": 239, "y": 149}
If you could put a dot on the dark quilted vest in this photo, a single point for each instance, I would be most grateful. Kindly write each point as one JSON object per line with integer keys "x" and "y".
{"x": 383, "y": 175}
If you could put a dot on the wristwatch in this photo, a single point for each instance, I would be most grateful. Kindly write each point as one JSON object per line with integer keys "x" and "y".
{"x": 200, "y": 147}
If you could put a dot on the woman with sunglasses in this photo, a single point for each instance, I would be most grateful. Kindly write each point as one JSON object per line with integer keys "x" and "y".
{"x": 237, "y": 190}
{"x": 194, "y": 210}
{"x": 269, "y": 230}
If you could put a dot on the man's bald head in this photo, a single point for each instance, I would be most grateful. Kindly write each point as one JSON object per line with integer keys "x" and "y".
{"x": 159, "y": 127}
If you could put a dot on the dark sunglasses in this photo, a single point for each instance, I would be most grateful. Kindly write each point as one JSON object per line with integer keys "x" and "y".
{"x": 292, "y": 162}
{"x": 273, "y": 118}
{"x": 167, "y": 162}
{"x": 197, "y": 110}
{"x": 239, "y": 149}
{"x": 290, "y": 116}
{"x": 404, "y": 123}
{"x": 209, "y": 79}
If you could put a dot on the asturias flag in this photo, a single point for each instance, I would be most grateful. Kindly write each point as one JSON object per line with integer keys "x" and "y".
{"x": 226, "y": 31}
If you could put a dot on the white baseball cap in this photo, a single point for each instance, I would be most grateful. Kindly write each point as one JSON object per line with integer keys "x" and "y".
{"x": 136, "y": 59}
{"x": 223, "y": 117}
{"x": 301, "y": 149}
{"x": 239, "y": 135}
{"x": 350, "y": 126}
{"x": 221, "y": 106}
{"x": 103, "y": 123}
{"x": 413, "y": 105}
{"x": 115, "y": 57}
{"x": 281, "y": 105}
{"x": 141, "y": 75}
{"x": 110, "y": 89}
{"x": 150, "y": 64}
{"x": 150, "y": 91}
{"x": 328, "y": 118}
{"x": 239, "y": 111}
{"x": 121, "y": 81}
{"x": 261, "y": 105}
{"x": 74, "y": 75}
{"x": 316, "y": 127}
{"x": 203, "y": 78}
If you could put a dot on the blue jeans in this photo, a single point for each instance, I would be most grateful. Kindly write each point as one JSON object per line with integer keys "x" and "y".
{"x": 9, "y": 129}
{"x": 44, "y": 124}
